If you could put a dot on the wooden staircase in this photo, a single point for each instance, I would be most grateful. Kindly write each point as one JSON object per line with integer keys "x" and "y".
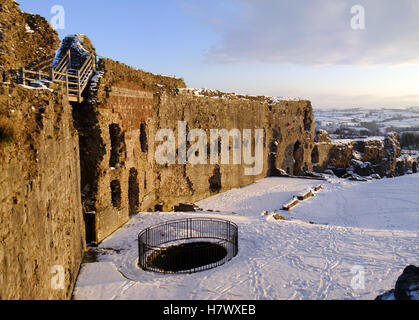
{"x": 74, "y": 81}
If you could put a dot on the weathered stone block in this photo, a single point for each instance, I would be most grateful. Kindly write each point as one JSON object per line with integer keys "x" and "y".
{"x": 288, "y": 206}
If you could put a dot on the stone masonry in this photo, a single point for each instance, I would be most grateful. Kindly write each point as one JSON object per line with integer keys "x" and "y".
{"x": 118, "y": 123}
{"x": 41, "y": 222}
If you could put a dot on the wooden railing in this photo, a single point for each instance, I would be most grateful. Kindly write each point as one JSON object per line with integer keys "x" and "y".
{"x": 73, "y": 80}
{"x": 85, "y": 73}
{"x": 43, "y": 64}
{"x": 63, "y": 65}
{"x": 29, "y": 75}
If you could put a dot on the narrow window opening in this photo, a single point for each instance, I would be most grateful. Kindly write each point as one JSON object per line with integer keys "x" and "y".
{"x": 116, "y": 193}
{"x": 143, "y": 138}
{"x": 133, "y": 192}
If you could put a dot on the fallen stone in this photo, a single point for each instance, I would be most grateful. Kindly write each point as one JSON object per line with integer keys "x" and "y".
{"x": 363, "y": 169}
{"x": 290, "y": 205}
{"x": 355, "y": 177}
{"x": 389, "y": 295}
{"x": 278, "y": 217}
{"x": 305, "y": 196}
{"x": 339, "y": 172}
{"x": 330, "y": 172}
{"x": 407, "y": 286}
{"x": 185, "y": 207}
{"x": 314, "y": 175}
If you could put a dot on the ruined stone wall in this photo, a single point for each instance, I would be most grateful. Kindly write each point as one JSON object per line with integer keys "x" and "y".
{"x": 382, "y": 155}
{"x": 41, "y": 222}
{"x": 25, "y": 38}
{"x": 282, "y": 123}
{"x": 189, "y": 183}
{"x": 96, "y": 160}
{"x": 291, "y": 136}
{"x": 121, "y": 116}
{"x": 113, "y": 125}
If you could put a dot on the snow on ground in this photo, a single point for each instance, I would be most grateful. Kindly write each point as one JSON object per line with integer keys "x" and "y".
{"x": 348, "y": 226}
{"x": 356, "y": 119}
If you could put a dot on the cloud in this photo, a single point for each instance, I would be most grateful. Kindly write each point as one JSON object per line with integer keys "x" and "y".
{"x": 315, "y": 32}
{"x": 364, "y": 101}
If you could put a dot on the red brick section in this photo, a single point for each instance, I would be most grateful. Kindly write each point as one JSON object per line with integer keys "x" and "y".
{"x": 132, "y": 102}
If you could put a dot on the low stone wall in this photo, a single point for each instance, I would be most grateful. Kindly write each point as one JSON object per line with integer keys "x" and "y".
{"x": 41, "y": 222}
{"x": 365, "y": 157}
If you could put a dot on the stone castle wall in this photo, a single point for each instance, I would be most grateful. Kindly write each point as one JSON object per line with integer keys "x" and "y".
{"x": 121, "y": 116}
{"x": 189, "y": 183}
{"x": 71, "y": 173}
{"x": 41, "y": 222}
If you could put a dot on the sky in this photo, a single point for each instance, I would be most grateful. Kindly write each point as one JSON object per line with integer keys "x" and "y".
{"x": 336, "y": 53}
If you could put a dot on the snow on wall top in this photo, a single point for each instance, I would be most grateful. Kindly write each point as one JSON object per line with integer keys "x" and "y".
{"x": 349, "y": 141}
{"x": 216, "y": 94}
{"x": 77, "y": 44}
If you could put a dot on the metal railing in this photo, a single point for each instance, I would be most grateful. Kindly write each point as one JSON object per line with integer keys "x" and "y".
{"x": 187, "y": 246}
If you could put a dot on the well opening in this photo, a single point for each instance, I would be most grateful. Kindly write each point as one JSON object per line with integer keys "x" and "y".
{"x": 186, "y": 256}
{"x": 187, "y": 246}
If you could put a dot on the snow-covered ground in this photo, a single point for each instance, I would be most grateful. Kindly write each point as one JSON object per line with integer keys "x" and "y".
{"x": 355, "y": 119}
{"x": 324, "y": 246}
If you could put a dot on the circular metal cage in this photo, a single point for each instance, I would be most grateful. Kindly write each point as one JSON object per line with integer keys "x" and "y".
{"x": 188, "y": 245}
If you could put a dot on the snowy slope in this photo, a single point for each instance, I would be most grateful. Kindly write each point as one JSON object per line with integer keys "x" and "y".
{"x": 370, "y": 225}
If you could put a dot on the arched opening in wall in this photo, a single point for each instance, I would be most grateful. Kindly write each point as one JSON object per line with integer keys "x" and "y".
{"x": 307, "y": 121}
{"x": 315, "y": 155}
{"x": 143, "y": 138}
{"x": 215, "y": 181}
{"x": 288, "y": 159}
{"x": 272, "y": 169}
{"x": 158, "y": 207}
{"x": 133, "y": 192}
{"x": 298, "y": 158}
{"x": 116, "y": 194}
{"x": 90, "y": 226}
{"x": 118, "y": 148}
{"x": 277, "y": 134}
{"x": 145, "y": 181}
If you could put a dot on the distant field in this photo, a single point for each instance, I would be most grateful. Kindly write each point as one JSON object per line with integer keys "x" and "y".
{"x": 366, "y": 122}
